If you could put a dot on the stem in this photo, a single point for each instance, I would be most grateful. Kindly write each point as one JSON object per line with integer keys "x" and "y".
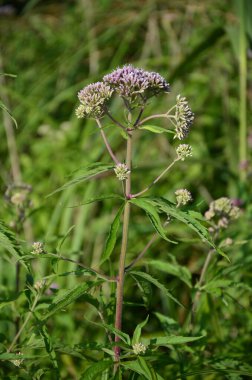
{"x": 24, "y": 324}
{"x": 201, "y": 280}
{"x": 113, "y": 119}
{"x": 243, "y": 91}
{"x": 116, "y": 161}
{"x": 121, "y": 273}
{"x": 154, "y": 117}
{"x": 155, "y": 180}
{"x": 142, "y": 253}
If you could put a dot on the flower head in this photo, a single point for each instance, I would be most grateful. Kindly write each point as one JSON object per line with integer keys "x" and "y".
{"x": 221, "y": 212}
{"x": 183, "y": 196}
{"x": 184, "y": 118}
{"x": 93, "y": 98}
{"x": 184, "y": 151}
{"x": 136, "y": 84}
{"x": 38, "y": 248}
{"x": 39, "y": 284}
{"x": 139, "y": 348}
{"x": 121, "y": 171}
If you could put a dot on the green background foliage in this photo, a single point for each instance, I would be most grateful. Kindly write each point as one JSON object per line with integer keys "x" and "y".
{"x": 52, "y": 50}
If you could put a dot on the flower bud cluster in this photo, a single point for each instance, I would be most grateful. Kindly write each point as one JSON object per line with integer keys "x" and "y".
{"x": 121, "y": 171}
{"x": 139, "y": 348}
{"x": 184, "y": 151}
{"x": 133, "y": 84}
{"x": 183, "y": 196}
{"x": 17, "y": 362}
{"x": 129, "y": 82}
{"x": 93, "y": 99}
{"x": 184, "y": 118}
{"x": 38, "y": 248}
{"x": 221, "y": 212}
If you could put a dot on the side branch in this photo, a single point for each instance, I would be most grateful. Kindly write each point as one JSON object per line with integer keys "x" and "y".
{"x": 109, "y": 149}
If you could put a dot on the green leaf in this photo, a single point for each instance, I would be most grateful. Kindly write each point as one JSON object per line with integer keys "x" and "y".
{"x": 152, "y": 213}
{"x": 143, "y": 368}
{"x": 123, "y": 336}
{"x": 155, "y": 282}
{"x": 156, "y": 129}
{"x": 100, "y": 198}
{"x": 138, "y": 331}
{"x": 48, "y": 345}
{"x": 167, "y": 322}
{"x": 172, "y": 268}
{"x": 9, "y": 242}
{"x": 95, "y": 369}
{"x": 112, "y": 237}
{"x": 87, "y": 173}
{"x": 4, "y": 108}
{"x": 69, "y": 296}
{"x": 172, "y": 340}
{"x": 186, "y": 218}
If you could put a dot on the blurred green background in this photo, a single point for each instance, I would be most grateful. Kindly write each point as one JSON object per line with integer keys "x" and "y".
{"x": 54, "y": 49}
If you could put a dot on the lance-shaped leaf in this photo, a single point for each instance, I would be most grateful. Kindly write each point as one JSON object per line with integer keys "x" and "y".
{"x": 155, "y": 282}
{"x": 69, "y": 296}
{"x": 112, "y": 237}
{"x": 151, "y": 212}
{"x": 87, "y": 173}
{"x": 96, "y": 369}
{"x": 172, "y": 340}
{"x": 156, "y": 129}
{"x": 186, "y": 218}
{"x": 138, "y": 331}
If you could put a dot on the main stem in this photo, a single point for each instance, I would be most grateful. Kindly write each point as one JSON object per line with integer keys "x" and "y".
{"x": 121, "y": 272}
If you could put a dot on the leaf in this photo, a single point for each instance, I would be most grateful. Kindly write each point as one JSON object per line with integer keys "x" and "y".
{"x": 8, "y": 301}
{"x": 186, "y": 218}
{"x": 151, "y": 212}
{"x": 171, "y": 340}
{"x": 69, "y": 296}
{"x": 138, "y": 331}
{"x": 48, "y": 345}
{"x": 156, "y": 129}
{"x": 155, "y": 282}
{"x": 123, "y": 336}
{"x": 167, "y": 322}
{"x": 87, "y": 173}
{"x": 9, "y": 242}
{"x": 100, "y": 198}
{"x": 112, "y": 237}
{"x": 142, "y": 368}
{"x": 61, "y": 242}
{"x": 172, "y": 268}
{"x": 8, "y": 112}
{"x": 95, "y": 369}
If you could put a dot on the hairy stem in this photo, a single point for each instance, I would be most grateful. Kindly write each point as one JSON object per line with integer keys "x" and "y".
{"x": 155, "y": 180}
{"x": 121, "y": 272}
{"x": 109, "y": 149}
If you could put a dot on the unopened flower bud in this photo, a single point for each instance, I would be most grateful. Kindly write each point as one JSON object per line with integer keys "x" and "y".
{"x": 17, "y": 362}
{"x": 184, "y": 151}
{"x": 121, "y": 171}
{"x": 183, "y": 196}
{"x": 39, "y": 284}
{"x": 38, "y": 248}
{"x": 139, "y": 348}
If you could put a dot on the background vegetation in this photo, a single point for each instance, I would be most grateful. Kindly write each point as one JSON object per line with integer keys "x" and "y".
{"x": 52, "y": 50}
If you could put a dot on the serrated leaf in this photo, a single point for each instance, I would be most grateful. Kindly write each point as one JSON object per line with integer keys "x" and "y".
{"x": 87, "y": 173}
{"x": 152, "y": 213}
{"x": 186, "y": 218}
{"x": 9, "y": 242}
{"x": 139, "y": 367}
{"x": 99, "y": 198}
{"x": 49, "y": 346}
{"x": 95, "y": 369}
{"x": 172, "y": 268}
{"x": 155, "y": 282}
{"x": 138, "y": 331}
{"x": 4, "y": 108}
{"x": 65, "y": 299}
{"x": 172, "y": 340}
{"x": 123, "y": 336}
{"x": 156, "y": 129}
{"x": 112, "y": 237}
